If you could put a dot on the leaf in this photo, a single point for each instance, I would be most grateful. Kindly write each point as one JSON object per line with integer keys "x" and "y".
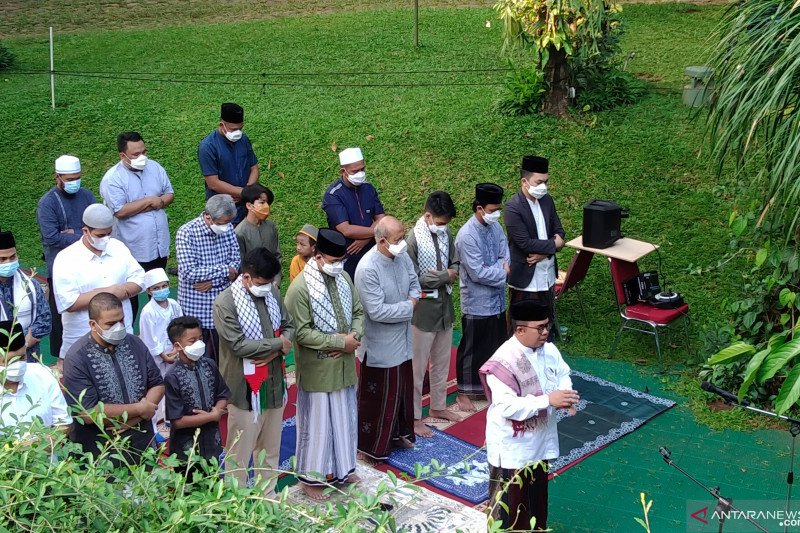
{"x": 761, "y": 256}
{"x": 790, "y": 391}
{"x": 783, "y": 297}
{"x": 751, "y": 371}
{"x": 732, "y": 353}
{"x": 640, "y": 522}
{"x": 738, "y": 226}
{"x": 779, "y": 358}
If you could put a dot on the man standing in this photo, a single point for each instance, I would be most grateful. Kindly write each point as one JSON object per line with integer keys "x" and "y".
{"x": 97, "y": 263}
{"x": 208, "y": 261}
{"x": 59, "y": 217}
{"x": 525, "y": 380}
{"x": 534, "y": 236}
{"x": 255, "y": 333}
{"x": 433, "y": 251}
{"x": 330, "y": 322}
{"x": 22, "y": 298}
{"x": 483, "y": 252}
{"x": 137, "y": 190}
{"x": 112, "y": 366}
{"x": 226, "y": 158}
{"x": 353, "y": 207}
{"x": 389, "y": 290}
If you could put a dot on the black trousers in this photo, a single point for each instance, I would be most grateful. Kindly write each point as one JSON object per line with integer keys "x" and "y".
{"x": 161, "y": 262}
{"x": 57, "y": 331}
{"x": 211, "y": 340}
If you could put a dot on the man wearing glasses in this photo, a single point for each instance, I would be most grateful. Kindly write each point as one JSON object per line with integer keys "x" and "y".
{"x": 525, "y": 381}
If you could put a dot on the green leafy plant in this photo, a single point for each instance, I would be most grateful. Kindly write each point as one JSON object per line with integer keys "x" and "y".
{"x": 524, "y": 90}
{"x": 645, "y": 523}
{"x": 603, "y": 89}
{"x": 7, "y": 58}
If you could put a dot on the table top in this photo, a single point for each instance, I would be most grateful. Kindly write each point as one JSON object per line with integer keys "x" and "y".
{"x": 625, "y": 249}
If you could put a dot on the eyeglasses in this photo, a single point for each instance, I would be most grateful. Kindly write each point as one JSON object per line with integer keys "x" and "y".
{"x": 541, "y": 329}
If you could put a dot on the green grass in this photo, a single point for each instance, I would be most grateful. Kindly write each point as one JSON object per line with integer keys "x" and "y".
{"x": 644, "y": 156}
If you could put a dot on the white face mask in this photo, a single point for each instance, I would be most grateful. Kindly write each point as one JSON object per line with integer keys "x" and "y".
{"x": 537, "y": 191}
{"x": 113, "y": 335}
{"x": 261, "y": 291}
{"x": 491, "y": 218}
{"x": 138, "y": 162}
{"x": 358, "y": 178}
{"x": 15, "y": 371}
{"x": 398, "y": 248}
{"x": 433, "y": 228}
{"x": 99, "y": 243}
{"x": 220, "y": 229}
{"x": 233, "y": 136}
{"x": 333, "y": 269}
{"x": 196, "y": 350}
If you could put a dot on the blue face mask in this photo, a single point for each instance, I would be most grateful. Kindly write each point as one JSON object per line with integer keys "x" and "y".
{"x": 7, "y": 270}
{"x": 71, "y": 187}
{"x": 161, "y": 294}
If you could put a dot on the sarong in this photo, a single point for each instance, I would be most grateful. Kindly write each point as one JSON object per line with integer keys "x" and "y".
{"x": 481, "y": 337}
{"x": 524, "y": 502}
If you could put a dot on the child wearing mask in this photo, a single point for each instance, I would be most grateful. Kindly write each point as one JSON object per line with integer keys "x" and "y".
{"x": 306, "y": 241}
{"x": 195, "y": 394}
{"x": 256, "y": 230}
{"x": 156, "y": 316}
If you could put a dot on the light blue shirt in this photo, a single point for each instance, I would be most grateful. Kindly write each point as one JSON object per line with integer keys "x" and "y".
{"x": 385, "y": 286}
{"x": 147, "y": 234}
{"x": 482, "y": 278}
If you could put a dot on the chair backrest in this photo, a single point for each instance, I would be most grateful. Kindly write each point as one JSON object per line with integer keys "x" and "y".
{"x": 577, "y": 269}
{"x": 621, "y": 271}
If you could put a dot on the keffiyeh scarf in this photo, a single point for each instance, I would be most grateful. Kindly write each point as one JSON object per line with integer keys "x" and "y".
{"x": 426, "y": 250}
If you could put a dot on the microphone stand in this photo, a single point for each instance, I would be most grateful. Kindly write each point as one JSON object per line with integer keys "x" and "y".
{"x": 794, "y": 430}
{"x": 724, "y": 505}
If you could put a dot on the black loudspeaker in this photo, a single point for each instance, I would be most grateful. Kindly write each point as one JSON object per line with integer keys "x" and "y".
{"x": 601, "y": 223}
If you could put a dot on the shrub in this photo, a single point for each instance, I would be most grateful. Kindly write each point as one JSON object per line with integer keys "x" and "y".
{"x": 524, "y": 90}
{"x": 604, "y": 89}
{"x": 7, "y": 58}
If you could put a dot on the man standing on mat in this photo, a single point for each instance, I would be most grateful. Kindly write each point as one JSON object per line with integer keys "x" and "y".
{"x": 389, "y": 290}
{"x": 431, "y": 248}
{"x": 525, "y": 380}
{"x": 483, "y": 251}
{"x": 535, "y": 235}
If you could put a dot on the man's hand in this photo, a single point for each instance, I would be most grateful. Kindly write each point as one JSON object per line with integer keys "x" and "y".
{"x": 146, "y": 409}
{"x": 232, "y": 273}
{"x": 559, "y": 242}
{"x": 357, "y": 245}
{"x": 287, "y": 345}
{"x": 70, "y": 231}
{"x": 413, "y": 301}
{"x": 506, "y": 268}
{"x": 30, "y": 340}
{"x": 453, "y": 274}
{"x": 350, "y": 343}
{"x": 532, "y": 259}
{"x": 260, "y": 362}
{"x": 154, "y": 203}
{"x": 336, "y": 354}
{"x": 564, "y": 399}
{"x": 202, "y": 286}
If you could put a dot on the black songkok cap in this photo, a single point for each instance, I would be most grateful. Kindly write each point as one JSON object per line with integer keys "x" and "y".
{"x": 7, "y": 240}
{"x": 10, "y": 329}
{"x": 331, "y": 242}
{"x": 232, "y": 113}
{"x": 529, "y": 311}
{"x": 534, "y": 163}
{"x": 488, "y": 193}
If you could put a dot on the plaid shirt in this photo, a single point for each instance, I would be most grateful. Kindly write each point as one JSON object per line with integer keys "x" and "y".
{"x": 203, "y": 256}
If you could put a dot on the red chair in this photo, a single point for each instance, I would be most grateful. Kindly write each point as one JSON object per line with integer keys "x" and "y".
{"x": 576, "y": 271}
{"x": 641, "y": 316}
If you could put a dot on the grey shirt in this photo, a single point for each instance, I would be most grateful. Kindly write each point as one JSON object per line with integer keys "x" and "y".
{"x": 385, "y": 285}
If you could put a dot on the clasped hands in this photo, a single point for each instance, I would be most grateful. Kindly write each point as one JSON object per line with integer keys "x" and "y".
{"x": 286, "y": 347}
{"x": 351, "y": 344}
{"x": 564, "y": 399}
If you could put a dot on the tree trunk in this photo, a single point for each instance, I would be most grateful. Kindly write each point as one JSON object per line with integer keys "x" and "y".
{"x": 556, "y": 99}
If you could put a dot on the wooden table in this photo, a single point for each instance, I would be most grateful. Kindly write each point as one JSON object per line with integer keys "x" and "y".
{"x": 625, "y": 249}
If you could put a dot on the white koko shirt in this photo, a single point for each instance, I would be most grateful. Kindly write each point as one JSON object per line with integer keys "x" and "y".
{"x": 503, "y": 449}
{"x": 38, "y": 396}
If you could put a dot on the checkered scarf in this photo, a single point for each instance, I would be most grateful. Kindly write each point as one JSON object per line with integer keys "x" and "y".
{"x": 426, "y": 250}
{"x": 321, "y": 306}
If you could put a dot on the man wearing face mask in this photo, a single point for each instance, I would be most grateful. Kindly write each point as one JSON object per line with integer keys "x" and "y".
{"x": 483, "y": 251}
{"x": 30, "y": 391}
{"x": 59, "y": 217}
{"x": 137, "y": 190}
{"x": 208, "y": 261}
{"x": 330, "y": 322}
{"x": 433, "y": 251}
{"x": 256, "y": 230}
{"x": 389, "y": 289}
{"x": 352, "y": 207}
{"x": 22, "y": 297}
{"x": 226, "y": 158}
{"x": 255, "y": 334}
{"x": 97, "y": 263}
{"x": 535, "y": 235}
{"x": 112, "y": 366}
